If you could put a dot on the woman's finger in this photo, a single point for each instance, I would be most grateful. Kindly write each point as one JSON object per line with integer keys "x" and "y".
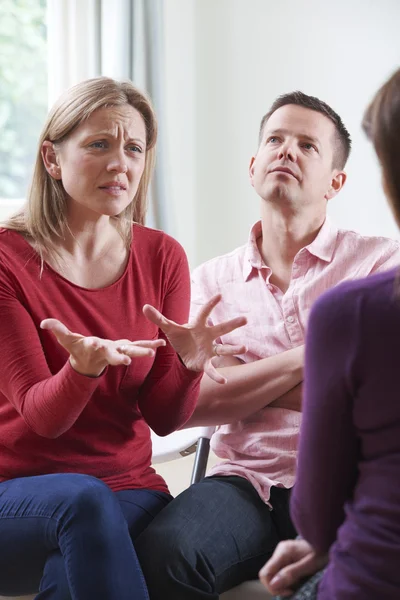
{"x": 154, "y": 315}
{"x": 282, "y": 592}
{"x": 289, "y": 577}
{"x": 150, "y": 343}
{"x": 285, "y": 553}
{"x": 294, "y": 562}
{"x": 114, "y": 358}
{"x": 126, "y": 345}
{"x": 131, "y": 348}
{"x": 55, "y": 326}
{"x": 204, "y": 312}
{"x": 135, "y": 351}
{"x": 304, "y": 567}
{"x": 213, "y": 374}
{"x": 228, "y": 326}
{"x": 293, "y": 574}
{"x": 62, "y": 333}
{"x": 147, "y": 343}
{"x": 229, "y": 350}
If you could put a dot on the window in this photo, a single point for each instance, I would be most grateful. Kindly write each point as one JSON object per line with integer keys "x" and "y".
{"x": 23, "y": 95}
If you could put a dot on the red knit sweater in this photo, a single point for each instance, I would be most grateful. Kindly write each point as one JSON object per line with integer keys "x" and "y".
{"x": 54, "y": 420}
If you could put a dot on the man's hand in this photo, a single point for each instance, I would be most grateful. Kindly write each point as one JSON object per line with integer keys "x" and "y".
{"x": 292, "y": 400}
{"x": 292, "y": 561}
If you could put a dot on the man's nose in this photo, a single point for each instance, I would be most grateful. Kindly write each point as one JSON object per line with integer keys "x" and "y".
{"x": 287, "y": 152}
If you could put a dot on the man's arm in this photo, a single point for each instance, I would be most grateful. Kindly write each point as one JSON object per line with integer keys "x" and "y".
{"x": 250, "y": 387}
{"x": 291, "y": 400}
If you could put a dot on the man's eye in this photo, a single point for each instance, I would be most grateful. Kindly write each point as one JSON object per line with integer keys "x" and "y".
{"x": 308, "y": 146}
{"x": 272, "y": 139}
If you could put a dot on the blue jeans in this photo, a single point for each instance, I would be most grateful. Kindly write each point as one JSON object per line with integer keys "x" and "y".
{"x": 215, "y": 535}
{"x": 70, "y": 536}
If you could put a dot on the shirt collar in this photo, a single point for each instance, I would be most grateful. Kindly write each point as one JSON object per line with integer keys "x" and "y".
{"x": 322, "y": 247}
{"x": 252, "y": 257}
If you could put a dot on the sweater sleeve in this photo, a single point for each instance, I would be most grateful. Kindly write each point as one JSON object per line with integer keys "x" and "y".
{"x": 49, "y": 403}
{"x": 169, "y": 394}
{"x": 328, "y": 450}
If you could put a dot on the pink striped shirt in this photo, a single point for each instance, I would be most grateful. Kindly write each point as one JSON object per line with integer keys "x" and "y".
{"x": 263, "y": 447}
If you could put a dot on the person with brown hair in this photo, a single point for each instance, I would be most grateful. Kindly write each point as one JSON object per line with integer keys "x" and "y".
{"x": 220, "y": 532}
{"x": 346, "y": 501}
{"x": 95, "y": 350}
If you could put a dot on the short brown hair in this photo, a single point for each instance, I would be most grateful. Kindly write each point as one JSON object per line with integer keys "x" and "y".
{"x": 381, "y": 123}
{"x": 343, "y": 140}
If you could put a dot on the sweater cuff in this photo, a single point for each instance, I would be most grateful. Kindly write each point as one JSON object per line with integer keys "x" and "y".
{"x": 84, "y": 382}
{"x": 188, "y": 373}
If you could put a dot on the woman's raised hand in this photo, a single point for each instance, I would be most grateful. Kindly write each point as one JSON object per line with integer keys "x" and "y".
{"x": 195, "y": 341}
{"x": 90, "y": 355}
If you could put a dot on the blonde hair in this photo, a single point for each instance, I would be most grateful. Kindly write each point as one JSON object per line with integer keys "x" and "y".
{"x": 43, "y": 218}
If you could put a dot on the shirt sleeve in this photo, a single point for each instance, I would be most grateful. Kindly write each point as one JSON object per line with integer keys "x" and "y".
{"x": 49, "y": 404}
{"x": 201, "y": 290}
{"x": 388, "y": 259}
{"x": 169, "y": 394}
{"x": 328, "y": 449}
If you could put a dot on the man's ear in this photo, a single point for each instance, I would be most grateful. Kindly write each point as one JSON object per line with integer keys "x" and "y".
{"x": 251, "y": 170}
{"x": 50, "y": 159}
{"x": 338, "y": 181}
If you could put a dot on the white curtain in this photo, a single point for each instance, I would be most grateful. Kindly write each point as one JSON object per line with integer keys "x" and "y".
{"x": 122, "y": 39}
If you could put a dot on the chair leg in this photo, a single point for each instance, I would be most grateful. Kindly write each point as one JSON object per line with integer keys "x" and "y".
{"x": 200, "y": 460}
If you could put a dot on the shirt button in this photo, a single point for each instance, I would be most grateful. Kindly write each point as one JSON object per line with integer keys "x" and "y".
{"x": 290, "y": 319}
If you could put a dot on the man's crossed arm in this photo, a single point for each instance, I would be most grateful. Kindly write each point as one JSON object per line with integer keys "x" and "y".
{"x": 273, "y": 381}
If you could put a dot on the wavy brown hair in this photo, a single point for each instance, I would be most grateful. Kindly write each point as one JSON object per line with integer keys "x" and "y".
{"x": 43, "y": 218}
{"x": 381, "y": 123}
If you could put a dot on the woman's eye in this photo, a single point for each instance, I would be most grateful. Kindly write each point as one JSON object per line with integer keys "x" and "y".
{"x": 135, "y": 148}
{"x": 98, "y": 145}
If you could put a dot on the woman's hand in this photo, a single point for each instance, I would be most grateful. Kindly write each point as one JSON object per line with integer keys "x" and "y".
{"x": 90, "y": 355}
{"x": 292, "y": 561}
{"x": 194, "y": 342}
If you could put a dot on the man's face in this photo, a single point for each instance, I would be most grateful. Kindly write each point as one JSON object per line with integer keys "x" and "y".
{"x": 294, "y": 162}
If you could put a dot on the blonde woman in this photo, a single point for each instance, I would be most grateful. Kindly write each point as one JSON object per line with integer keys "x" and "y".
{"x": 93, "y": 352}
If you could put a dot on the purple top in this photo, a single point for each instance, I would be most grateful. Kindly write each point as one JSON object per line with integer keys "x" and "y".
{"x": 347, "y": 495}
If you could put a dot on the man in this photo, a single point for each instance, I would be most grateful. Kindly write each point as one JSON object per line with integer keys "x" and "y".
{"x": 220, "y": 532}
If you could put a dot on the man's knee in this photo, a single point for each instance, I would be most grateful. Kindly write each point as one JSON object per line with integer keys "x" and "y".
{"x": 172, "y": 561}
{"x": 161, "y": 546}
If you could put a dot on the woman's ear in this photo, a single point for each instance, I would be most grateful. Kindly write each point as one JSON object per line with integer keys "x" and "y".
{"x": 50, "y": 160}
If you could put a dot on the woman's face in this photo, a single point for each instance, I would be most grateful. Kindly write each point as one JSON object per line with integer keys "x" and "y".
{"x": 101, "y": 163}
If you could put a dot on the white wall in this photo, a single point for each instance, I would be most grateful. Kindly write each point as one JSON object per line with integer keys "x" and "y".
{"x": 227, "y": 60}
{"x": 180, "y": 111}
